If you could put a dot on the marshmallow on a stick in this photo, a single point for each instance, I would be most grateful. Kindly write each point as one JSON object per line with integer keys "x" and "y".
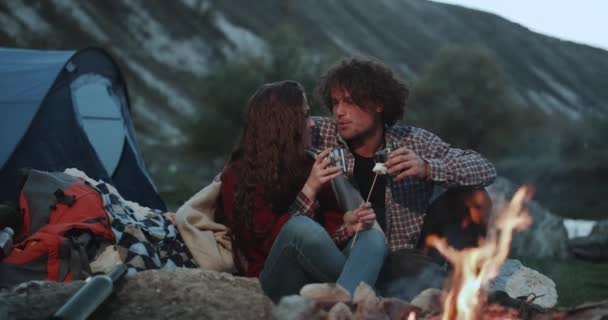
{"x": 380, "y": 168}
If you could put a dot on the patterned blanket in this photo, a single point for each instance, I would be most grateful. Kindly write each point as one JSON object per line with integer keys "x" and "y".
{"x": 144, "y": 238}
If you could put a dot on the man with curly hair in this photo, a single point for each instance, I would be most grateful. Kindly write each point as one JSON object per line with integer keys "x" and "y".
{"x": 367, "y": 99}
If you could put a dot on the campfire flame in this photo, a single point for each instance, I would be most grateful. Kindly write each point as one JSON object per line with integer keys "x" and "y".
{"x": 475, "y": 267}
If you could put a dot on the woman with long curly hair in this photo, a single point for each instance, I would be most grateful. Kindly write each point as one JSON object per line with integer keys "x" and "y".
{"x": 286, "y": 226}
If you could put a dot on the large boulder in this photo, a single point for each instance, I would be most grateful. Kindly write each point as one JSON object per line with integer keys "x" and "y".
{"x": 600, "y": 229}
{"x": 546, "y": 237}
{"x": 518, "y": 281}
{"x": 157, "y": 294}
{"x": 593, "y": 247}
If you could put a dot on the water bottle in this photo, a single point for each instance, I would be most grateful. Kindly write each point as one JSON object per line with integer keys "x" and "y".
{"x": 91, "y": 295}
{"x": 6, "y": 242}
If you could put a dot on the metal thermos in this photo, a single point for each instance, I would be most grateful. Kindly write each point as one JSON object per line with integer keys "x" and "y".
{"x": 92, "y": 294}
{"x": 347, "y": 196}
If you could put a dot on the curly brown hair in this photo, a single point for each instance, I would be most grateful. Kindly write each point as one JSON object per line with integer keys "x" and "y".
{"x": 270, "y": 155}
{"x": 369, "y": 82}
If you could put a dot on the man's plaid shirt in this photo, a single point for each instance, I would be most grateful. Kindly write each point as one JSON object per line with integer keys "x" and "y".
{"x": 406, "y": 200}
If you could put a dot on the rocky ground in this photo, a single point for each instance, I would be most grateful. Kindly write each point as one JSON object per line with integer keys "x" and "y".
{"x": 179, "y": 294}
{"x": 198, "y": 294}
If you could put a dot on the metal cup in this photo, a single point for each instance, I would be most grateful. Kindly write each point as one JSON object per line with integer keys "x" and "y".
{"x": 382, "y": 155}
{"x": 337, "y": 158}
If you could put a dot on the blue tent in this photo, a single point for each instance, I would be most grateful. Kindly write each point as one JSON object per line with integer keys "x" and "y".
{"x": 68, "y": 109}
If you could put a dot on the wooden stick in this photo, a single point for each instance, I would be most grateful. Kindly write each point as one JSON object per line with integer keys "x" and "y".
{"x": 366, "y": 201}
{"x": 372, "y": 188}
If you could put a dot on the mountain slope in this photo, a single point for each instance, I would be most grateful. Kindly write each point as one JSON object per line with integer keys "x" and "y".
{"x": 164, "y": 47}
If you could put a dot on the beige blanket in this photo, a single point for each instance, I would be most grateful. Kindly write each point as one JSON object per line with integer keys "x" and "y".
{"x": 208, "y": 241}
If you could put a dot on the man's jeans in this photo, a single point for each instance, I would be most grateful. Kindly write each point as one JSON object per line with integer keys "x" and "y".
{"x": 304, "y": 253}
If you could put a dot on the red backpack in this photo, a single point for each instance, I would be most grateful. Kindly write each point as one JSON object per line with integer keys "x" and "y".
{"x": 64, "y": 222}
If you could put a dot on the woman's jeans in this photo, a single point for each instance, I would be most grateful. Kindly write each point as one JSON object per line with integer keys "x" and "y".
{"x": 304, "y": 253}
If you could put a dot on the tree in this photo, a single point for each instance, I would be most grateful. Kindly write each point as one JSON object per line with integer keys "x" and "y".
{"x": 463, "y": 96}
{"x": 224, "y": 92}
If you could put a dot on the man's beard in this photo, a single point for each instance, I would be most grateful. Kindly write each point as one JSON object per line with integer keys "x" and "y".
{"x": 361, "y": 138}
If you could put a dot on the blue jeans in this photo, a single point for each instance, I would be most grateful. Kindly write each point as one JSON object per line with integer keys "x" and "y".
{"x": 304, "y": 253}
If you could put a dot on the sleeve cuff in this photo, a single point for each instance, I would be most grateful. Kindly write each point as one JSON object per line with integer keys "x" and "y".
{"x": 436, "y": 170}
{"x": 342, "y": 235}
{"x": 303, "y": 206}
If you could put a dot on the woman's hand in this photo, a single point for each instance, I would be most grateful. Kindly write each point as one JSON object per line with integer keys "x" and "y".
{"x": 321, "y": 172}
{"x": 360, "y": 219}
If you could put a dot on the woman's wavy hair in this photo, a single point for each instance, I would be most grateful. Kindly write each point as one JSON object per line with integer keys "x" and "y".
{"x": 271, "y": 157}
{"x": 369, "y": 82}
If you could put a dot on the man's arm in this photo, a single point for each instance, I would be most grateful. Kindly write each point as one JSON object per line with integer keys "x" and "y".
{"x": 453, "y": 167}
{"x": 427, "y": 157}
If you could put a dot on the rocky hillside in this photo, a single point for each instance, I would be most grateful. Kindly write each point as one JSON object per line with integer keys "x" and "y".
{"x": 164, "y": 47}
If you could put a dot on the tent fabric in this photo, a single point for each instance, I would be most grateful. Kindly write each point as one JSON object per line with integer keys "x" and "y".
{"x": 100, "y": 117}
{"x": 69, "y": 109}
{"x": 26, "y": 78}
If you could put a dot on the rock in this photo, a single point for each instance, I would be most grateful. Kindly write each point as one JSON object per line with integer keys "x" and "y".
{"x": 48, "y": 297}
{"x": 590, "y": 248}
{"x": 578, "y": 227}
{"x": 508, "y": 269}
{"x": 593, "y": 247}
{"x": 339, "y": 311}
{"x": 546, "y": 237}
{"x": 395, "y": 308}
{"x": 364, "y": 294}
{"x": 533, "y": 285}
{"x": 429, "y": 300}
{"x": 518, "y": 280}
{"x": 370, "y": 312}
{"x": 368, "y": 304}
{"x": 296, "y": 307}
{"x": 600, "y": 229}
{"x": 155, "y": 294}
{"x": 325, "y": 293}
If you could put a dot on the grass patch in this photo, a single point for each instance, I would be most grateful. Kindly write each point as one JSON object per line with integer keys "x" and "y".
{"x": 577, "y": 281}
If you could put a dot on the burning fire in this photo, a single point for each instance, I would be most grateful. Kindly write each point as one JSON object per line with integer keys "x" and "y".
{"x": 474, "y": 267}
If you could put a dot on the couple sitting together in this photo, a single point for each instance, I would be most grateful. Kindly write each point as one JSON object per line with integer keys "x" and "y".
{"x": 287, "y": 226}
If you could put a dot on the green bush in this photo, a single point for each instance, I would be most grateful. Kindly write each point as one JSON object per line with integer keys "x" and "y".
{"x": 464, "y": 97}
{"x": 224, "y": 92}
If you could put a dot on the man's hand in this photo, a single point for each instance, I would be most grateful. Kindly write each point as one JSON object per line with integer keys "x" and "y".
{"x": 406, "y": 163}
{"x": 360, "y": 219}
{"x": 320, "y": 173}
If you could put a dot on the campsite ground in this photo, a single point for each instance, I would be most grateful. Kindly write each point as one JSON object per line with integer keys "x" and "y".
{"x": 577, "y": 281}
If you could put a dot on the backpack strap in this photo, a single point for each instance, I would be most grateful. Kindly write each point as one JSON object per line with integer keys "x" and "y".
{"x": 62, "y": 198}
{"x": 73, "y": 257}
{"x": 64, "y": 260}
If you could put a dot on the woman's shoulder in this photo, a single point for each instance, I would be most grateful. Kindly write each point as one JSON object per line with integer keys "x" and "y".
{"x": 229, "y": 178}
{"x": 230, "y": 170}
